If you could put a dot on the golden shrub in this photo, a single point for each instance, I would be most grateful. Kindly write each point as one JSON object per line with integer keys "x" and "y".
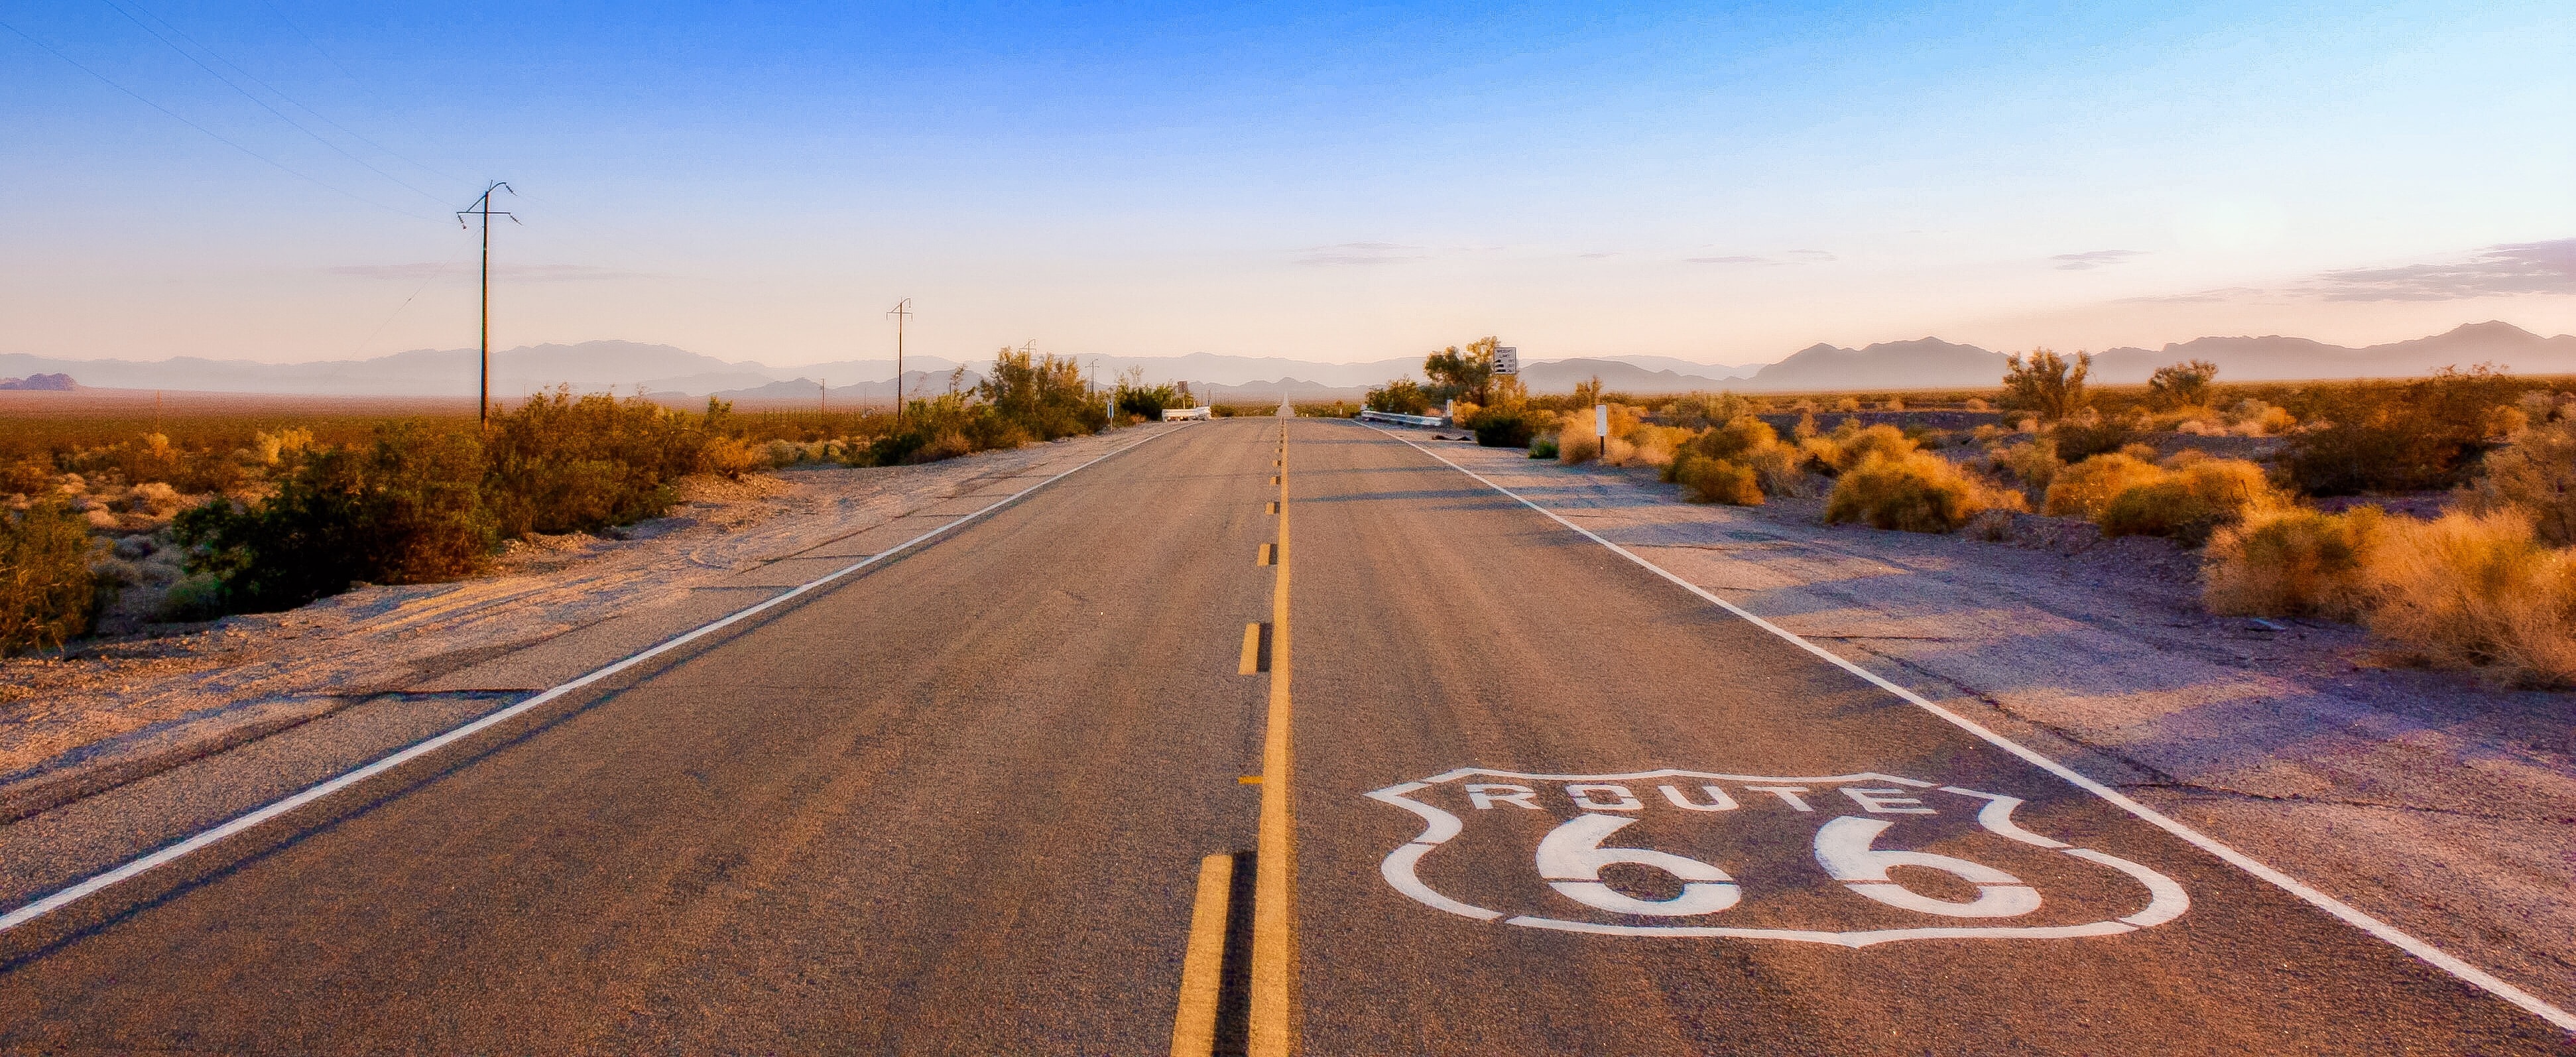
{"x": 2085, "y": 489}
{"x": 1706, "y": 480}
{"x": 1913, "y": 492}
{"x": 2288, "y": 563}
{"x": 2477, "y": 591}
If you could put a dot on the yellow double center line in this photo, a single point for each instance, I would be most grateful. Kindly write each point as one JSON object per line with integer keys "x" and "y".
{"x": 1273, "y": 1020}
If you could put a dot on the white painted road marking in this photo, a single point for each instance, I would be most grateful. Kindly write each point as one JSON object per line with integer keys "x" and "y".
{"x": 171, "y": 853}
{"x": 1845, "y": 849}
{"x": 2391, "y": 934}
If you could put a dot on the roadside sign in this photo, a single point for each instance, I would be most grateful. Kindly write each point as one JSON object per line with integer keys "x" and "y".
{"x": 1507, "y": 360}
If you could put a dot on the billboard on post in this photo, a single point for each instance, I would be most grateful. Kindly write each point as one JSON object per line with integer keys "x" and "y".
{"x": 1507, "y": 360}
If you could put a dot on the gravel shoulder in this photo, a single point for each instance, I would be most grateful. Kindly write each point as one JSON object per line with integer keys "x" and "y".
{"x": 2428, "y": 799}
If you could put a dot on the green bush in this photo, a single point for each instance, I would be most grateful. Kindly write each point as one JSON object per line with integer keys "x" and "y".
{"x": 1543, "y": 448}
{"x": 1402, "y": 396}
{"x": 48, "y": 595}
{"x": 407, "y": 510}
{"x": 1513, "y": 427}
{"x": 559, "y": 463}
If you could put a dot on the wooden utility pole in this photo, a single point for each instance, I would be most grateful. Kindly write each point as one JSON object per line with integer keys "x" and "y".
{"x": 482, "y": 207}
{"x": 902, "y": 311}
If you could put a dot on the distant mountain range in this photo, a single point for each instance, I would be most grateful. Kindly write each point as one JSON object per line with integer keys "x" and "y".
{"x": 677, "y": 374}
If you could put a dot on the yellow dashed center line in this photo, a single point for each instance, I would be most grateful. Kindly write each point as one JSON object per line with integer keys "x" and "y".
{"x": 1194, "y": 1029}
{"x": 1273, "y": 1019}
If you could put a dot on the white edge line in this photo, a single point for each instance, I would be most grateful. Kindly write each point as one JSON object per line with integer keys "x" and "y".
{"x": 2562, "y": 1019}
{"x": 206, "y": 838}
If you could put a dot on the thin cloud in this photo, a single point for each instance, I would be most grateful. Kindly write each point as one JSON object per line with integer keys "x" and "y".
{"x": 2510, "y": 268}
{"x": 2225, "y": 293}
{"x": 1762, "y": 261}
{"x": 1818, "y": 256}
{"x": 1596, "y": 256}
{"x": 1362, "y": 253}
{"x": 2089, "y": 259}
{"x": 528, "y": 272}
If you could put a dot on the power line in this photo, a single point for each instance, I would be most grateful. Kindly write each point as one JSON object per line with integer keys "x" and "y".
{"x": 246, "y": 93}
{"x": 210, "y": 133}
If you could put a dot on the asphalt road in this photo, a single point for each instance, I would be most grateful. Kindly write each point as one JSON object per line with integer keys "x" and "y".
{"x": 958, "y": 803}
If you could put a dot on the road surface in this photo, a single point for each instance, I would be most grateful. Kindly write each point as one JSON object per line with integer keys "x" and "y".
{"x": 1544, "y": 802}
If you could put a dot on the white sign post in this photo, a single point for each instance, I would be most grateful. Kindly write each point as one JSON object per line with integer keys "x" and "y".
{"x": 1601, "y": 426}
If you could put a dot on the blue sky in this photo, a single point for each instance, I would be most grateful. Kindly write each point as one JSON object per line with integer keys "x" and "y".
{"x": 1719, "y": 184}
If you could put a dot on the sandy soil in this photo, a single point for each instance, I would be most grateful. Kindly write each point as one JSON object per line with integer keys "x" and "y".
{"x": 2429, "y": 799}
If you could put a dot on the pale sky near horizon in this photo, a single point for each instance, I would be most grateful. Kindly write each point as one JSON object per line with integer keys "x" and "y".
{"x": 276, "y": 180}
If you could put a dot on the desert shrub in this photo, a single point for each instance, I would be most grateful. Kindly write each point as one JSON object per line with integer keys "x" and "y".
{"x": 2087, "y": 435}
{"x": 30, "y": 476}
{"x": 2476, "y": 591}
{"x": 2034, "y": 464}
{"x": 48, "y": 595}
{"x": 1577, "y": 442}
{"x": 1706, "y": 480}
{"x": 1543, "y": 448}
{"x": 2045, "y": 384}
{"x": 2534, "y": 476}
{"x": 1040, "y": 395}
{"x": 2391, "y": 436}
{"x": 1849, "y": 445}
{"x": 1502, "y": 427}
{"x": 1652, "y": 445}
{"x": 406, "y": 510}
{"x": 1913, "y": 491}
{"x": 2190, "y": 501}
{"x": 1402, "y": 396}
{"x": 2086, "y": 489}
{"x": 557, "y": 463}
{"x": 1701, "y": 410}
{"x": 2288, "y": 563}
{"x": 2181, "y": 385}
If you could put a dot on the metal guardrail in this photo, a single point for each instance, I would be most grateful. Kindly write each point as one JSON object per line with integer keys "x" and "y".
{"x": 1432, "y": 421}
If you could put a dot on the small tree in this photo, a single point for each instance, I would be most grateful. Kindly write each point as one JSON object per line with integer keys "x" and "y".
{"x": 1588, "y": 393}
{"x": 2181, "y": 384}
{"x": 1467, "y": 375}
{"x": 2046, "y": 383}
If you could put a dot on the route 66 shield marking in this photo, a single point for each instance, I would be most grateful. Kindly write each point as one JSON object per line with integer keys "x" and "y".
{"x": 1849, "y": 860}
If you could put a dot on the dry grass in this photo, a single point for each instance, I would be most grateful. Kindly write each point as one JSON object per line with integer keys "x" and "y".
{"x": 2195, "y": 495}
{"x": 2536, "y": 477}
{"x": 1913, "y": 492}
{"x": 2087, "y": 488}
{"x": 2476, "y": 591}
{"x": 2292, "y": 563}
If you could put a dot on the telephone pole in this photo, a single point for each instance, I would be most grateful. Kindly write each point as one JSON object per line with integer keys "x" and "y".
{"x": 902, "y": 311}
{"x": 482, "y": 207}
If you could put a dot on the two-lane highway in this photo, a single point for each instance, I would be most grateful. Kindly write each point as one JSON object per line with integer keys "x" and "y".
{"x": 1541, "y": 801}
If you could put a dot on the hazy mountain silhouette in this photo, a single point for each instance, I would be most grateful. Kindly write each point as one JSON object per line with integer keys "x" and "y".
{"x": 674, "y": 374}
